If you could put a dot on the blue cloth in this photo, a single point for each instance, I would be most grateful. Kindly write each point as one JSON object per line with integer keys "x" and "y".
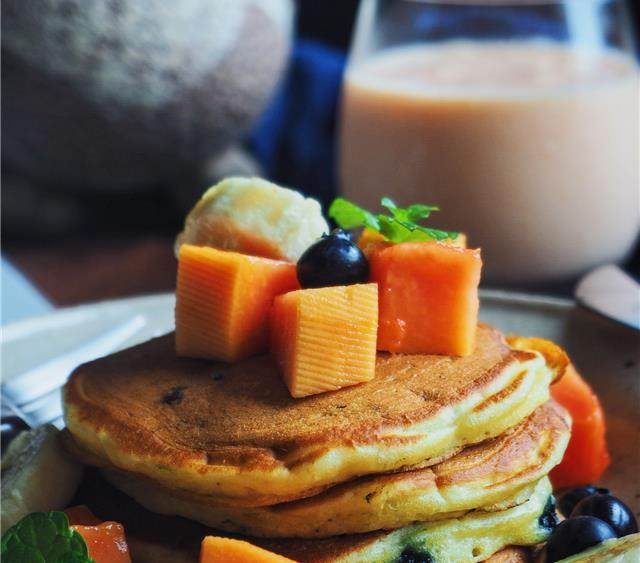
{"x": 486, "y": 22}
{"x": 294, "y": 140}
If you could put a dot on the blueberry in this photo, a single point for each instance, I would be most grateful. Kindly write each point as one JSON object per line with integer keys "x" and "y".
{"x": 333, "y": 260}
{"x": 568, "y": 500}
{"x": 575, "y": 535}
{"x": 346, "y": 235}
{"x": 549, "y": 519}
{"x": 411, "y": 555}
{"x": 610, "y": 510}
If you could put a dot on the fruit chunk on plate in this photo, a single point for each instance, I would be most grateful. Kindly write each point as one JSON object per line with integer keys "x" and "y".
{"x": 226, "y": 550}
{"x": 37, "y": 475}
{"x": 370, "y": 238}
{"x": 325, "y": 338}
{"x": 587, "y": 456}
{"x": 223, "y": 300}
{"x": 622, "y": 550}
{"x": 428, "y": 297}
{"x": 253, "y": 216}
{"x": 105, "y": 541}
{"x": 428, "y": 281}
{"x": 48, "y": 536}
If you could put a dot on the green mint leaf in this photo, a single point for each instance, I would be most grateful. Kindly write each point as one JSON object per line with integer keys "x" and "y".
{"x": 412, "y": 214}
{"x": 391, "y": 229}
{"x": 400, "y": 225}
{"x": 436, "y": 234}
{"x": 349, "y": 216}
{"x": 43, "y": 537}
{"x": 418, "y": 211}
{"x": 388, "y": 203}
{"x": 420, "y": 233}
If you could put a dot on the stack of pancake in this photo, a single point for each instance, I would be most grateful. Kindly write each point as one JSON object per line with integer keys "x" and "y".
{"x": 436, "y": 459}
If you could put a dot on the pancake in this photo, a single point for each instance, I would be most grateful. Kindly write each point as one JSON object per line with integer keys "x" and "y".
{"x": 235, "y": 432}
{"x": 473, "y": 537}
{"x": 480, "y": 476}
{"x": 155, "y": 552}
{"x": 158, "y": 539}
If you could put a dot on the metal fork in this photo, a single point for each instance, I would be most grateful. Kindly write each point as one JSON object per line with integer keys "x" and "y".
{"x": 34, "y": 396}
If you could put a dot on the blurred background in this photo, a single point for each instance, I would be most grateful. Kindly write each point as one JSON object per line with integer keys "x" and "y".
{"x": 117, "y": 114}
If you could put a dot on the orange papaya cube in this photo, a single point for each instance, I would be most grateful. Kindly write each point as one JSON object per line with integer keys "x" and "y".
{"x": 106, "y": 541}
{"x": 428, "y": 297}
{"x": 460, "y": 241}
{"x": 370, "y": 240}
{"x": 369, "y": 236}
{"x": 226, "y": 550}
{"x": 324, "y": 339}
{"x": 223, "y": 300}
{"x": 587, "y": 455}
{"x": 81, "y": 515}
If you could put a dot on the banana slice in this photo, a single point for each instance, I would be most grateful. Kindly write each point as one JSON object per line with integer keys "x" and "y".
{"x": 621, "y": 550}
{"x": 253, "y": 216}
{"x": 37, "y": 475}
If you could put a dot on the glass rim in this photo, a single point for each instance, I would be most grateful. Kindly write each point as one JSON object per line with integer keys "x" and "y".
{"x": 505, "y": 3}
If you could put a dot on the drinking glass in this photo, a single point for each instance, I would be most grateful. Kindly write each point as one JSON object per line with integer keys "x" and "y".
{"x": 518, "y": 118}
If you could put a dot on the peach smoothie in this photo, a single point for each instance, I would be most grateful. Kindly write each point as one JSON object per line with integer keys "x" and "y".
{"x": 530, "y": 146}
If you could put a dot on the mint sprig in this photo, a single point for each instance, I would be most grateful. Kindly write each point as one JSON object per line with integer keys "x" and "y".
{"x": 44, "y": 537}
{"x": 400, "y": 225}
{"x": 350, "y": 216}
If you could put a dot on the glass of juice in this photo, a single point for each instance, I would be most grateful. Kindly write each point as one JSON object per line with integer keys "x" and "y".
{"x": 518, "y": 118}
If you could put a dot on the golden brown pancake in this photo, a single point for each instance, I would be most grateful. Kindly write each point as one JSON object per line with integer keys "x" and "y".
{"x": 512, "y": 554}
{"x": 235, "y": 432}
{"x": 158, "y": 539}
{"x": 479, "y": 477}
{"x": 156, "y": 552}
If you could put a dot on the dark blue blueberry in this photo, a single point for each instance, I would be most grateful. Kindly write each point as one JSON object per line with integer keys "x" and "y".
{"x": 609, "y": 509}
{"x": 412, "y": 555}
{"x": 333, "y": 260}
{"x": 575, "y": 535}
{"x": 549, "y": 519}
{"x": 568, "y": 500}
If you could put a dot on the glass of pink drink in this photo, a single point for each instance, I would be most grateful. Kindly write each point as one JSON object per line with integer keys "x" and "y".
{"x": 518, "y": 118}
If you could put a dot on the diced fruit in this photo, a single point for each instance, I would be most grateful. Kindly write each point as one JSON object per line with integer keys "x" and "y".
{"x": 370, "y": 237}
{"x": 227, "y": 550}
{"x": 223, "y": 300}
{"x": 460, "y": 241}
{"x": 610, "y": 510}
{"x": 555, "y": 357}
{"x": 622, "y": 550}
{"x": 37, "y": 475}
{"x": 570, "y": 498}
{"x": 325, "y": 338}
{"x": 587, "y": 456}
{"x": 81, "y": 515}
{"x": 333, "y": 260}
{"x": 256, "y": 217}
{"x": 428, "y": 297}
{"x": 371, "y": 240}
{"x": 575, "y": 535}
{"x": 105, "y": 541}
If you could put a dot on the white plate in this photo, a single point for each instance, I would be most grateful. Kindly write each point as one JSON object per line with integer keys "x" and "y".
{"x": 606, "y": 353}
